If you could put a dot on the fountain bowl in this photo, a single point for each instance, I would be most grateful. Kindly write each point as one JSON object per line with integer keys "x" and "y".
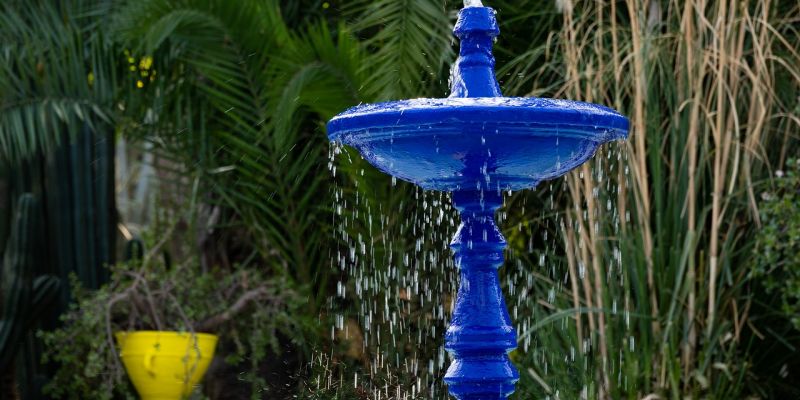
{"x": 477, "y": 143}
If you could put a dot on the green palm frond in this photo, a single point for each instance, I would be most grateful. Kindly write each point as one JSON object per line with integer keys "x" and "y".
{"x": 226, "y": 44}
{"x": 246, "y": 113}
{"x": 316, "y": 73}
{"x": 55, "y": 75}
{"x": 410, "y": 42}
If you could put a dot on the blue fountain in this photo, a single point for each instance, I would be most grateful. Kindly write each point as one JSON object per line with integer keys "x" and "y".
{"x": 477, "y": 144}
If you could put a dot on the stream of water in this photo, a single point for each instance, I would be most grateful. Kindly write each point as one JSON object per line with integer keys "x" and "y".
{"x": 398, "y": 279}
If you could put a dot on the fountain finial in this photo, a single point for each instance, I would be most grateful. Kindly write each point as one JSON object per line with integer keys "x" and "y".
{"x": 473, "y": 72}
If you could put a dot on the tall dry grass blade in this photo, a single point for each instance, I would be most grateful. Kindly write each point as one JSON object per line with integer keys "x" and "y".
{"x": 639, "y": 143}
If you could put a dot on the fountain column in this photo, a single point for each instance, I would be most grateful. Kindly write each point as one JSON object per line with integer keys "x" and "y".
{"x": 480, "y": 334}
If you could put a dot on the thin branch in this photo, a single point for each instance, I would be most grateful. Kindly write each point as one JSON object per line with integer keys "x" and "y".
{"x": 244, "y": 300}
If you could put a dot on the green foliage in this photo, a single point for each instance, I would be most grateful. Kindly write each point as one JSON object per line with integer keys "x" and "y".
{"x": 777, "y": 244}
{"x": 57, "y": 74}
{"x": 58, "y": 87}
{"x": 410, "y": 44}
{"x": 249, "y": 94}
{"x": 244, "y": 307}
{"x": 88, "y": 367}
{"x": 656, "y": 230}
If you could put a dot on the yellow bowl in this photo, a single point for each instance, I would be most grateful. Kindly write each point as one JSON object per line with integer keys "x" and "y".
{"x": 165, "y": 365}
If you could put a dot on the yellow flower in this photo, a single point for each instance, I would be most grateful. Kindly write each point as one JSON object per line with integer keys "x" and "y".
{"x": 139, "y": 84}
{"x": 146, "y": 62}
{"x": 90, "y": 78}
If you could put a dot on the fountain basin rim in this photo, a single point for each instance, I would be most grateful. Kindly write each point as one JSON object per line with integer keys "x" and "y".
{"x": 507, "y": 115}
{"x": 506, "y": 128}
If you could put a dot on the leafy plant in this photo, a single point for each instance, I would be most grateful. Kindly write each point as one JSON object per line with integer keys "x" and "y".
{"x": 243, "y": 306}
{"x": 777, "y": 245}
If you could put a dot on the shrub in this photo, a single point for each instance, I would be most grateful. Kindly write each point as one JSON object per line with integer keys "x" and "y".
{"x": 777, "y": 253}
{"x": 244, "y": 307}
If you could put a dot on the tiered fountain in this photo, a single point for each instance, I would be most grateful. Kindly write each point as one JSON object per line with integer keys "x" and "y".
{"x": 477, "y": 144}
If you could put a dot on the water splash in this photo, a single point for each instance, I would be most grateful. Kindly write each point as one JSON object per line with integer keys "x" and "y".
{"x": 397, "y": 279}
{"x": 473, "y": 3}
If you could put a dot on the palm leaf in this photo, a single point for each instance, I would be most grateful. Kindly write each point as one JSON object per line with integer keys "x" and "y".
{"x": 54, "y": 74}
{"x": 411, "y": 44}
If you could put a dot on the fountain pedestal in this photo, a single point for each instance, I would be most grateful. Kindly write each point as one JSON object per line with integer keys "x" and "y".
{"x": 480, "y": 334}
{"x": 475, "y": 144}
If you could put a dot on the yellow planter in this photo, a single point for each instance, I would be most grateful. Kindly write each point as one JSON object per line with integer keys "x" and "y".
{"x": 165, "y": 365}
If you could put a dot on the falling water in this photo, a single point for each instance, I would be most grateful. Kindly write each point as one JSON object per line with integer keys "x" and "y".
{"x": 397, "y": 279}
{"x": 473, "y": 3}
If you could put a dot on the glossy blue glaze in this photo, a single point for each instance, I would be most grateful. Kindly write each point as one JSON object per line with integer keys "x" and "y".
{"x": 477, "y": 144}
{"x": 480, "y": 334}
{"x": 469, "y": 143}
